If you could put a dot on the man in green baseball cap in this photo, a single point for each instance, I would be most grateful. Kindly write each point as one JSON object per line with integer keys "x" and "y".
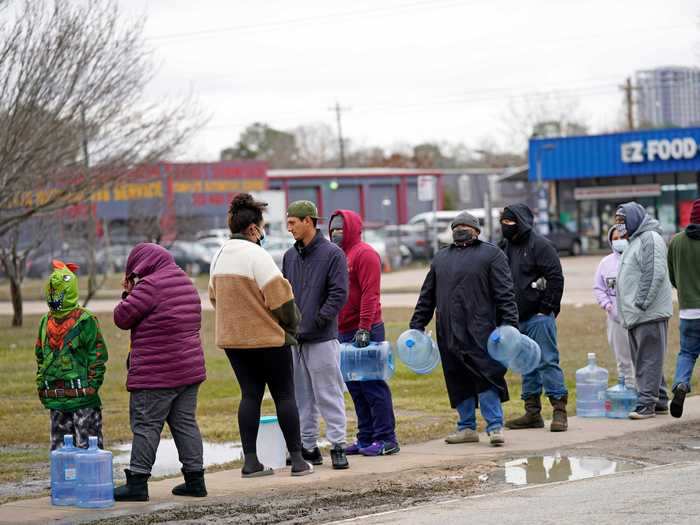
{"x": 318, "y": 272}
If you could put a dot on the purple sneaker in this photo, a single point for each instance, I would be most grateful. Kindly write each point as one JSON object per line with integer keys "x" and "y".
{"x": 353, "y": 450}
{"x": 380, "y": 448}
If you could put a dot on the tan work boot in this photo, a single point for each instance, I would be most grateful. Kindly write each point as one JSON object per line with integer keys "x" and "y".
{"x": 559, "y": 419}
{"x": 532, "y": 417}
{"x": 463, "y": 436}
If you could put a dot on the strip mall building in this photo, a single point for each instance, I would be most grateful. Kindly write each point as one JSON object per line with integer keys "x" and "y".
{"x": 589, "y": 176}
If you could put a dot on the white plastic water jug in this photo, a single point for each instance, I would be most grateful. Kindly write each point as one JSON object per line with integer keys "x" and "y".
{"x": 63, "y": 473}
{"x": 591, "y": 384}
{"x": 271, "y": 447}
{"x": 513, "y": 349}
{"x": 372, "y": 362}
{"x": 418, "y": 351}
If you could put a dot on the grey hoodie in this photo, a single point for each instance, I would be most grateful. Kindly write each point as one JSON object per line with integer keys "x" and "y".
{"x": 644, "y": 292}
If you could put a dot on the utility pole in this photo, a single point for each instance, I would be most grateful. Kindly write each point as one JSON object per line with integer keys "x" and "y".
{"x": 629, "y": 101}
{"x": 338, "y": 111}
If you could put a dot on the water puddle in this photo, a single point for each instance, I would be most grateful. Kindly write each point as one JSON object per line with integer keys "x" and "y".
{"x": 535, "y": 470}
{"x": 167, "y": 462}
{"x": 692, "y": 445}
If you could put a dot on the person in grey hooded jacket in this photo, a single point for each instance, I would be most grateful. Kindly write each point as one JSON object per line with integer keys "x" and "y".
{"x": 645, "y": 304}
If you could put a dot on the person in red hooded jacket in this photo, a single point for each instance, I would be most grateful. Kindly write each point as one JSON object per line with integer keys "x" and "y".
{"x": 360, "y": 322}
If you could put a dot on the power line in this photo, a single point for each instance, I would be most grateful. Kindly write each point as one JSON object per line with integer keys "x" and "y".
{"x": 434, "y": 4}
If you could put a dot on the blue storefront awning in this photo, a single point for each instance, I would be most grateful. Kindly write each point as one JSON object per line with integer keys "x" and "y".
{"x": 615, "y": 154}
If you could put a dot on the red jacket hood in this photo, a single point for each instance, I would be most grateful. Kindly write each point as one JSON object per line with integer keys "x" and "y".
{"x": 352, "y": 228}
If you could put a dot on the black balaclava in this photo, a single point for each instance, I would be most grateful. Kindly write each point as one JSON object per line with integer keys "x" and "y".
{"x": 509, "y": 230}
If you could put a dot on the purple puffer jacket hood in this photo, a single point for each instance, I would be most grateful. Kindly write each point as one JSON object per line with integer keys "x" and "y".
{"x": 605, "y": 281}
{"x": 164, "y": 314}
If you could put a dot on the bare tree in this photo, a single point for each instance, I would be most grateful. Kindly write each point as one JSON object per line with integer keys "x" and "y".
{"x": 317, "y": 145}
{"x": 524, "y": 115}
{"x": 72, "y": 74}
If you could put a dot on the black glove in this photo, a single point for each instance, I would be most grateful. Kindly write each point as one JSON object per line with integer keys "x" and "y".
{"x": 361, "y": 339}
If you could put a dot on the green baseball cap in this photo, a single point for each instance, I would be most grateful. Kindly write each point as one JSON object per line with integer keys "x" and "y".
{"x": 301, "y": 209}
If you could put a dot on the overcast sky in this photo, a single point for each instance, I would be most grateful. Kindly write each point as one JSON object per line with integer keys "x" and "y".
{"x": 407, "y": 71}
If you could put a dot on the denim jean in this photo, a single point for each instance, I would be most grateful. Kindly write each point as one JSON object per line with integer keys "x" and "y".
{"x": 373, "y": 403}
{"x": 543, "y": 330}
{"x": 690, "y": 349}
{"x": 491, "y": 411}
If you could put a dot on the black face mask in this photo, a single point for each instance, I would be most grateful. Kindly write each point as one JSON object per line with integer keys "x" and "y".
{"x": 463, "y": 236}
{"x": 337, "y": 238}
{"x": 509, "y": 231}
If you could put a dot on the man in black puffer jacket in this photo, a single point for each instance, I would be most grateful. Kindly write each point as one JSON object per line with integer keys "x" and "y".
{"x": 539, "y": 285}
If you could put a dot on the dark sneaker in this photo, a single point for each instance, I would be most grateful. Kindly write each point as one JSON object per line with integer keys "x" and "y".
{"x": 642, "y": 412}
{"x": 661, "y": 409}
{"x": 354, "y": 449}
{"x": 679, "y": 394}
{"x": 380, "y": 448}
{"x": 338, "y": 458}
{"x": 313, "y": 456}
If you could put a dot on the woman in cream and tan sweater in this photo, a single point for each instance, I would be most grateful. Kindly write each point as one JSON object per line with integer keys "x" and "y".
{"x": 256, "y": 322}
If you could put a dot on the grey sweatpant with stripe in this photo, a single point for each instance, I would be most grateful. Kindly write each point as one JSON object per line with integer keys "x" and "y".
{"x": 148, "y": 412}
{"x": 648, "y": 348}
{"x": 319, "y": 386}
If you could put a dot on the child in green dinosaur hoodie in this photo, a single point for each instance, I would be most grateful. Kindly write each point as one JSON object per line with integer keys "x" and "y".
{"x": 71, "y": 356}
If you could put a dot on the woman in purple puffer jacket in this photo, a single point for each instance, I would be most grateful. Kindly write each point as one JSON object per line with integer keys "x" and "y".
{"x": 163, "y": 310}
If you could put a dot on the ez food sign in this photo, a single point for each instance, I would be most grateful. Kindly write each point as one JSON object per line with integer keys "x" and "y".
{"x": 659, "y": 149}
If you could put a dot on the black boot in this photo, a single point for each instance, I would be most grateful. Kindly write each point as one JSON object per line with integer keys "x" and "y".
{"x": 532, "y": 417}
{"x": 338, "y": 458}
{"x": 559, "y": 418}
{"x": 193, "y": 486}
{"x": 136, "y": 488}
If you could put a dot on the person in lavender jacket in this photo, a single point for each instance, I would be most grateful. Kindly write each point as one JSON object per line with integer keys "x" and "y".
{"x": 163, "y": 310}
{"x": 605, "y": 290}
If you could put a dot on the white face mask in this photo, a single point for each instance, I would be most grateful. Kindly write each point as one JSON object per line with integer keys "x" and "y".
{"x": 619, "y": 245}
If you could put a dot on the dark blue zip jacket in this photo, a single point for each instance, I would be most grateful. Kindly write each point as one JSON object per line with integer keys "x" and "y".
{"x": 319, "y": 277}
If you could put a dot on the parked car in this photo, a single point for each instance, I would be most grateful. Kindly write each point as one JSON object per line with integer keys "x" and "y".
{"x": 191, "y": 257}
{"x": 277, "y": 246}
{"x": 420, "y": 243}
{"x": 564, "y": 239}
{"x": 114, "y": 257}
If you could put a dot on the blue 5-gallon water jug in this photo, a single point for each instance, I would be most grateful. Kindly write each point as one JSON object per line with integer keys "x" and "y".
{"x": 63, "y": 473}
{"x": 514, "y": 350}
{"x": 364, "y": 364}
{"x": 95, "y": 484}
{"x": 418, "y": 351}
{"x": 591, "y": 384}
{"x": 620, "y": 400}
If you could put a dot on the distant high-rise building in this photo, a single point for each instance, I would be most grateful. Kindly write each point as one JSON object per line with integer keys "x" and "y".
{"x": 668, "y": 96}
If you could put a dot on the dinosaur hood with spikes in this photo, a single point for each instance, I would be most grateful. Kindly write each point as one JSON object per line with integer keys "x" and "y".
{"x": 62, "y": 288}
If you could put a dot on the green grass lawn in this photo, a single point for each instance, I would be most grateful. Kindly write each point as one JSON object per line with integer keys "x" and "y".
{"x": 422, "y": 408}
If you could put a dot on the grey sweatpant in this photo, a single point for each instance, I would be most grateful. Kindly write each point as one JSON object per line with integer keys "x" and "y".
{"x": 648, "y": 349}
{"x": 619, "y": 341}
{"x": 148, "y": 412}
{"x": 319, "y": 386}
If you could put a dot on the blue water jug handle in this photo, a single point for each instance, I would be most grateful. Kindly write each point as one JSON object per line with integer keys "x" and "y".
{"x": 496, "y": 336}
{"x": 410, "y": 343}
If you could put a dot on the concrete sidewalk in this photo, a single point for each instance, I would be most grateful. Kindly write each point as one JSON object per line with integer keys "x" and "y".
{"x": 224, "y": 485}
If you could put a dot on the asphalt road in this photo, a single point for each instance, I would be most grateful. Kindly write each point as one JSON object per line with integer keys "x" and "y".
{"x": 666, "y": 494}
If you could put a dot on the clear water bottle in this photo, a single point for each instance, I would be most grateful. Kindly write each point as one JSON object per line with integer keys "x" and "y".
{"x": 271, "y": 447}
{"x": 418, "y": 351}
{"x": 514, "y": 350}
{"x": 620, "y": 400}
{"x": 63, "y": 473}
{"x": 95, "y": 487}
{"x": 591, "y": 384}
{"x": 375, "y": 361}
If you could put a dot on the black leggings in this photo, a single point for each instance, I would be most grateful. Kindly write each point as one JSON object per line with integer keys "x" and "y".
{"x": 255, "y": 368}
